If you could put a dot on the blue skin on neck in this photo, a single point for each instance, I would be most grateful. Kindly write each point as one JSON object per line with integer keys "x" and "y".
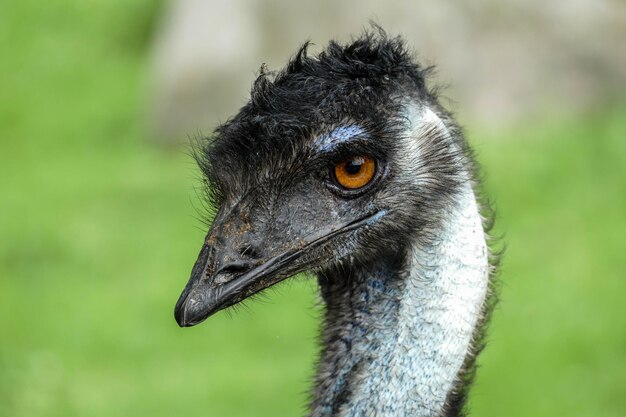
{"x": 367, "y": 317}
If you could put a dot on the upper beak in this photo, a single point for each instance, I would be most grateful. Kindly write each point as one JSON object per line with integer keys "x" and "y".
{"x": 215, "y": 284}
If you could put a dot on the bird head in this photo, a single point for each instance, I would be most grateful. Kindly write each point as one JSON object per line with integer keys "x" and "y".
{"x": 336, "y": 160}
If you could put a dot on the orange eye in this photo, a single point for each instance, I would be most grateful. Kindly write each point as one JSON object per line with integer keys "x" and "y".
{"x": 355, "y": 172}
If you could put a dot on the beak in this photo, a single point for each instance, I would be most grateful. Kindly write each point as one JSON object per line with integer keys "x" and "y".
{"x": 219, "y": 279}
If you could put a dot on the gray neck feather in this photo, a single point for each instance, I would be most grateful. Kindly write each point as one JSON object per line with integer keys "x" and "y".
{"x": 396, "y": 338}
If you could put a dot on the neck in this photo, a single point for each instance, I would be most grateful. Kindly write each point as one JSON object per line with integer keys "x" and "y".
{"x": 398, "y": 336}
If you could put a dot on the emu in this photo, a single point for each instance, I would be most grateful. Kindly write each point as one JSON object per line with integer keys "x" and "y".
{"x": 346, "y": 166}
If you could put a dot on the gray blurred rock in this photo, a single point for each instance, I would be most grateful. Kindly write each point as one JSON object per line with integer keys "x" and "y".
{"x": 503, "y": 62}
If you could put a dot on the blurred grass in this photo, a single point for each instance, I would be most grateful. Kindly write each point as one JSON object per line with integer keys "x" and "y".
{"x": 98, "y": 235}
{"x": 558, "y": 337}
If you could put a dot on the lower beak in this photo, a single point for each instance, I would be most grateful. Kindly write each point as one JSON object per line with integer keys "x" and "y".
{"x": 205, "y": 295}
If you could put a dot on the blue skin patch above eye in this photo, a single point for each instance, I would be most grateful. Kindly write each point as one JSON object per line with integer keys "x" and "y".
{"x": 338, "y": 135}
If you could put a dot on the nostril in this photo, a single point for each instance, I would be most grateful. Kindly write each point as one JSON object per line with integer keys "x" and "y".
{"x": 233, "y": 264}
{"x": 234, "y": 267}
{"x": 231, "y": 270}
{"x": 250, "y": 251}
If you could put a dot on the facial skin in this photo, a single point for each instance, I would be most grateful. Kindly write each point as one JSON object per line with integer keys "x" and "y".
{"x": 287, "y": 223}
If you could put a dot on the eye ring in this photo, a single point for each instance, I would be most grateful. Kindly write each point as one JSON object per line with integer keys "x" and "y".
{"x": 353, "y": 176}
{"x": 355, "y": 172}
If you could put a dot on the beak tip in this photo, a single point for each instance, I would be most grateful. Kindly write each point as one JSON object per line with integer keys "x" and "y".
{"x": 183, "y": 319}
{"x": 179, "y": 315}
{"x": 180, "y": 311}
{"x": 180, "y": 320}
{"x": 189, "y": 312}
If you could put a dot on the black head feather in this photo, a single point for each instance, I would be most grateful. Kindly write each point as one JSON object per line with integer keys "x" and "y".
{"x": 362, "y": 81}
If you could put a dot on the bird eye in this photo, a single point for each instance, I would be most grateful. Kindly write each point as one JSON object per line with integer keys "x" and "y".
{"x": 355, "y": 172}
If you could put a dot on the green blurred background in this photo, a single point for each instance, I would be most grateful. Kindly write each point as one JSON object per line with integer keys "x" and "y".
{"x": 98, "y": 233}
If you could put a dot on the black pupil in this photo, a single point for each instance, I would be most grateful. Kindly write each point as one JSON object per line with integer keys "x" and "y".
{"x": 354, "y": 166}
